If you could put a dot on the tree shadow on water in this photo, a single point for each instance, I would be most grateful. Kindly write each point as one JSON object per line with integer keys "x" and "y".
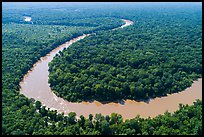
{"x": 121, "y": 102}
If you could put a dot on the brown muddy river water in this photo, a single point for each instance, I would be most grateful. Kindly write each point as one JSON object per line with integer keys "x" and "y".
{"x": 35, "y": 85}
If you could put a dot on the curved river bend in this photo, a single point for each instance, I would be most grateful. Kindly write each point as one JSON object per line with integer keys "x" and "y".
{"x": 35, "y": 85}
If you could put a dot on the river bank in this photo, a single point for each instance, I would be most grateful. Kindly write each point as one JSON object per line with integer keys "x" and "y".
{"x": 35, "y": 85}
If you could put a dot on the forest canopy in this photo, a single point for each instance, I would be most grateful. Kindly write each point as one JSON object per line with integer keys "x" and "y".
{"x": 160, "y": 54}
{"x": 174, "y": 31}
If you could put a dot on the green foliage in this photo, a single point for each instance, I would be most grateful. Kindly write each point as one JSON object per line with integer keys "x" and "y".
{"x": 160, "y": 54}
{"x": 24, "y": 43}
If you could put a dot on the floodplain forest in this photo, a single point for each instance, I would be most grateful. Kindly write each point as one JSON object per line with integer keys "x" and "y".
{"x": 159, "y": 54}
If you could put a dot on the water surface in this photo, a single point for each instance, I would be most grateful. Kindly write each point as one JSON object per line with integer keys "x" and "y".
{"x": 35, "y": 85}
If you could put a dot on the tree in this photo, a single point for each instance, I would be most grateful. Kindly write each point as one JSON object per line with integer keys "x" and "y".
{"x": 82, "y": 121}
{"x": 38, "y": 104}
{"x": 90, "y": 117}
{"x": 105, "y": 128}
{"x": 71, "y": 118}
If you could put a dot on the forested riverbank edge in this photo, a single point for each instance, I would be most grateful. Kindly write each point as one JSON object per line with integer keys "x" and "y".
{"x": 19, "y": 116}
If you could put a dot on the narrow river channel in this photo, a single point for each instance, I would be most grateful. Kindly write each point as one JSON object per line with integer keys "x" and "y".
{"x": 35, "y": 85}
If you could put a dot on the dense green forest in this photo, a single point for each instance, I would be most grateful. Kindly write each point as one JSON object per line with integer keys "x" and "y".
{"x": 159, "y": 55}
{"x": 24, "y": 43}
{"x": 185, "y": 121}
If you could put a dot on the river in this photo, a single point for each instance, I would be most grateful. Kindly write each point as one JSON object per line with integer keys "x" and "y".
{"x": 35, "y": 85}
